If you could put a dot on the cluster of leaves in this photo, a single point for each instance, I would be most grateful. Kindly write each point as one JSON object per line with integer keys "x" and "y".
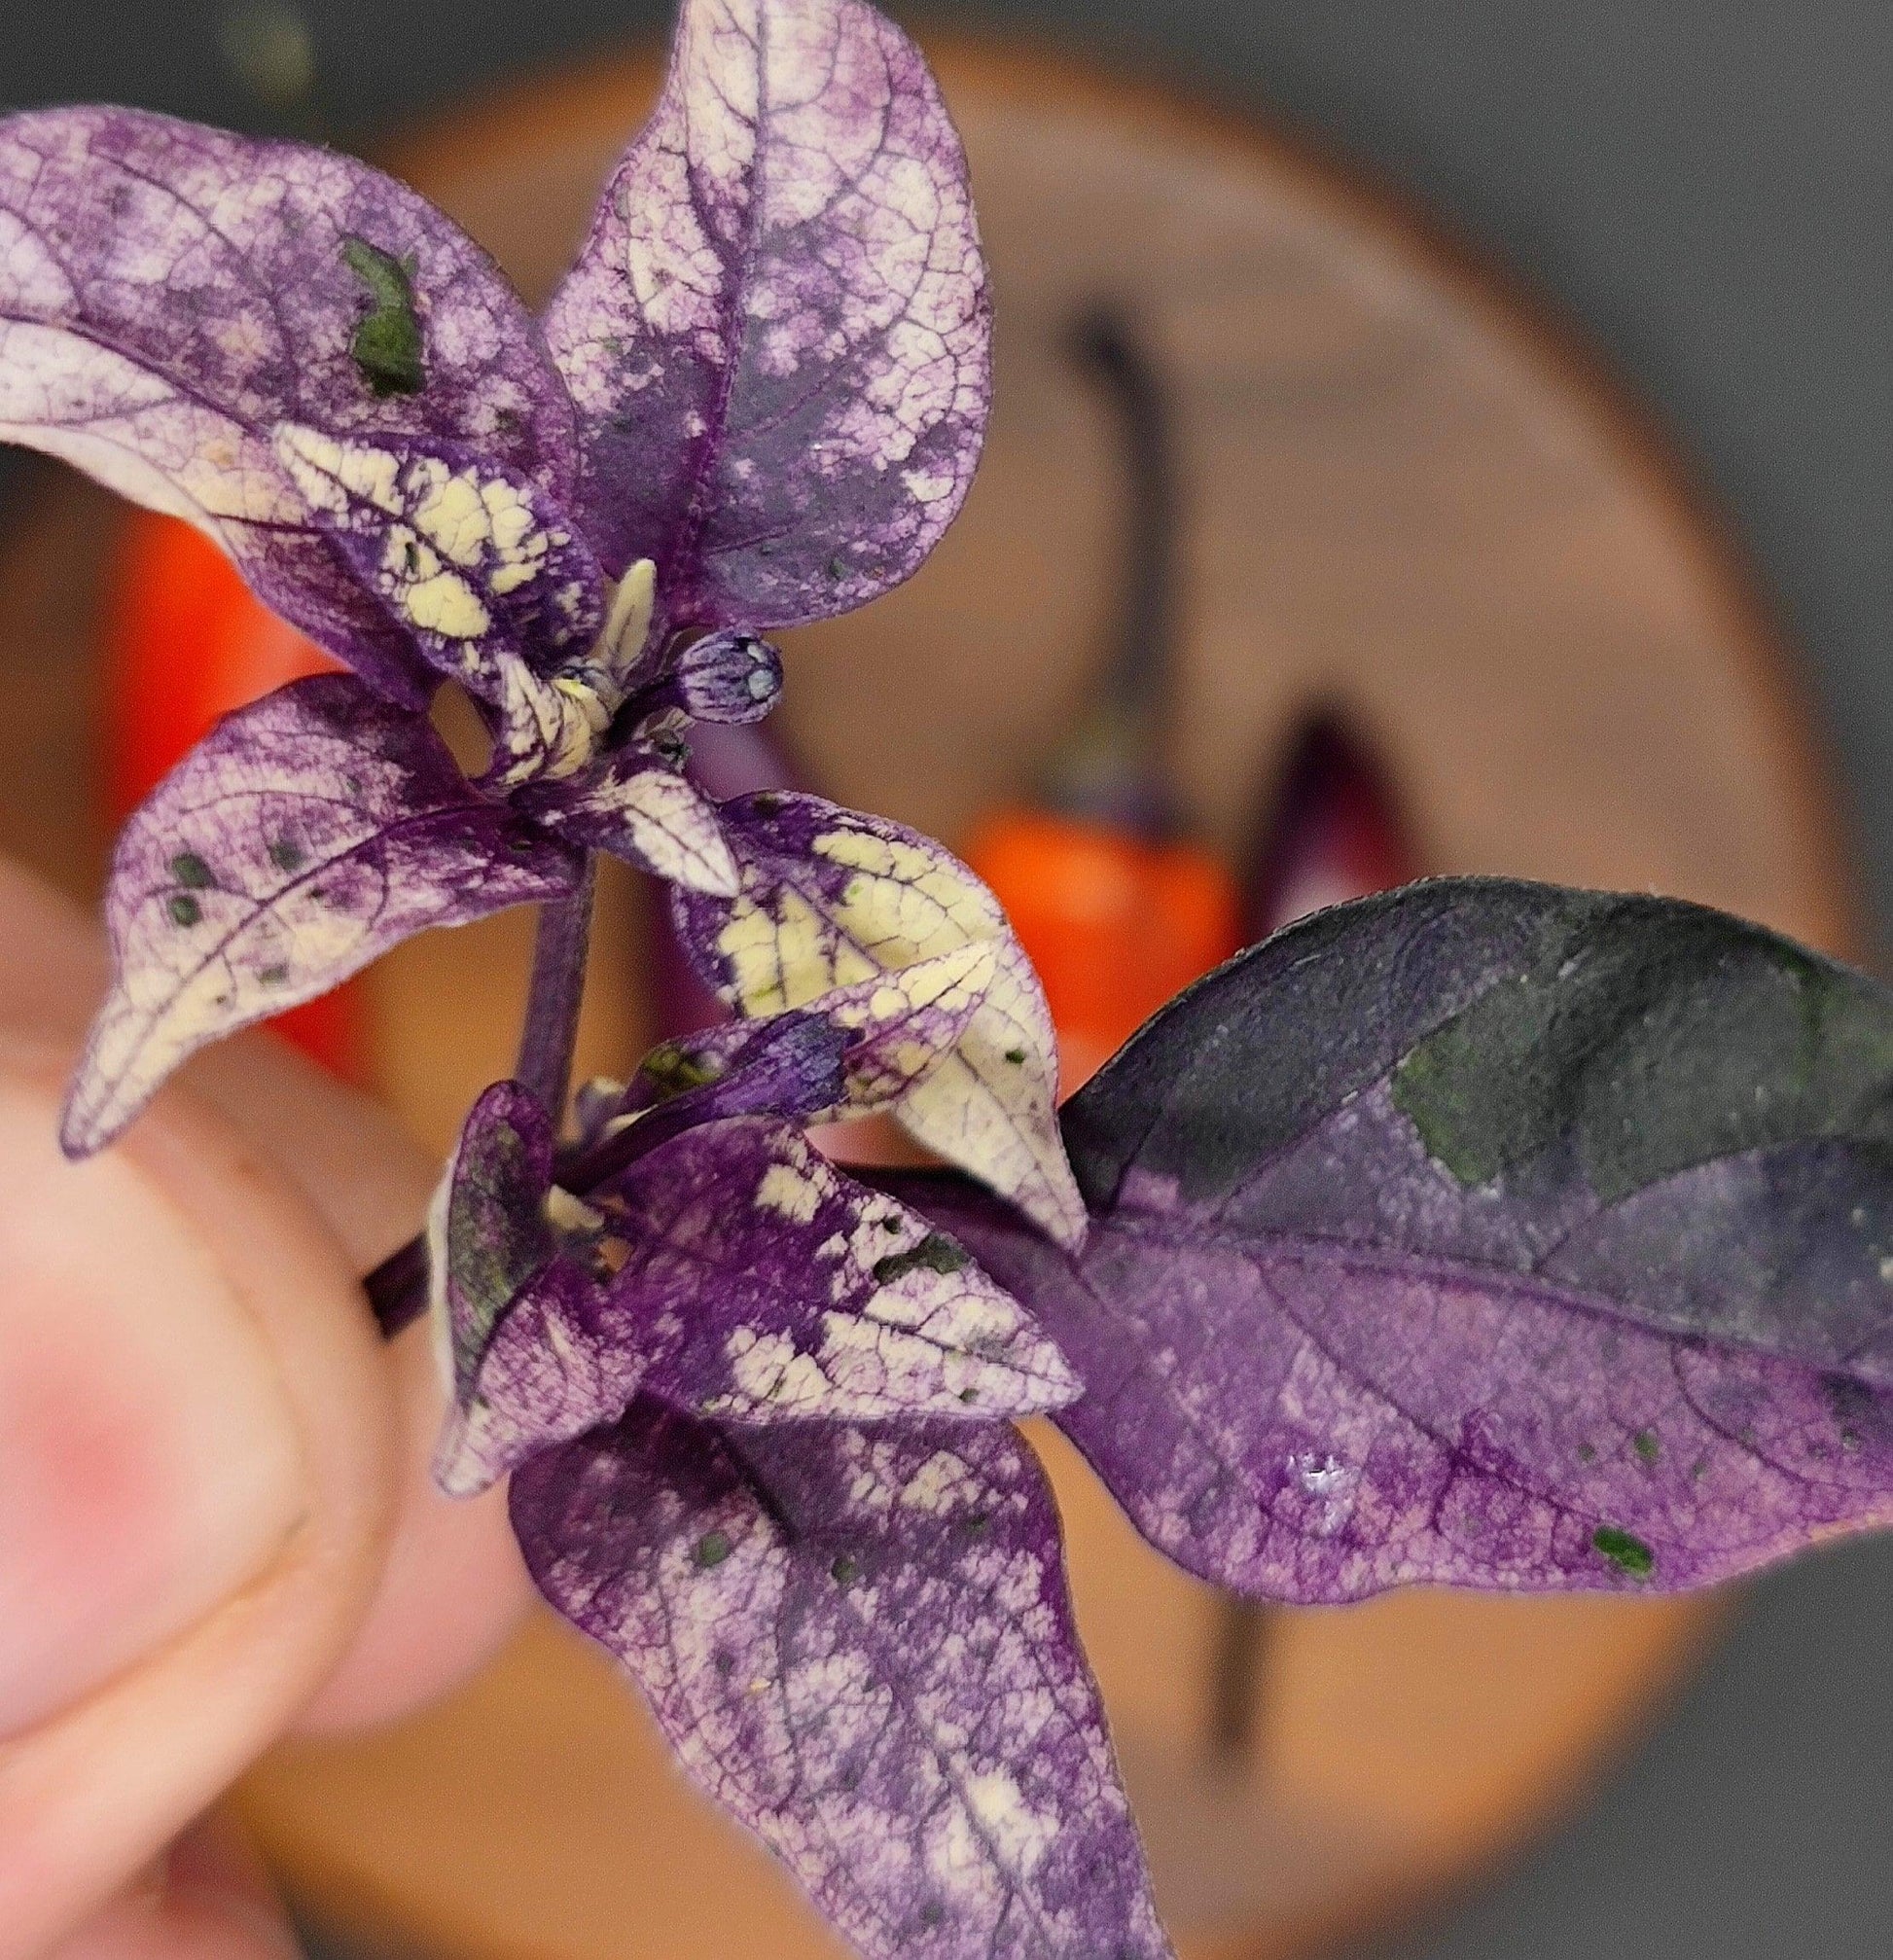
{"x": 1486, "y": 1234}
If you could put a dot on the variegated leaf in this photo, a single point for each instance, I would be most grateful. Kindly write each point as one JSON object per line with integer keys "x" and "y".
{"x": 1484, "y": 1234}
{"x": 169, "y": 294}
{"x": 860, "y": 1643}
{"x": 834, "y": 899}
{"x": 479, "y": 568}
{"x": 766, "y": 1287}
{"x": 302, "y": 838}
{"x": 778, "y": 332}
{"x": 521, "y": 1319}
{"x": 640, "y": 806}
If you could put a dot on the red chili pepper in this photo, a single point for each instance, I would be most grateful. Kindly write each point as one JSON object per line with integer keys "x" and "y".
{"x": 186, "y": 641}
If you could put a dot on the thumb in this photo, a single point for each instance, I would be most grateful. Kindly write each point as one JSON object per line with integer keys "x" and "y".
{"x": 196, "y": 1441}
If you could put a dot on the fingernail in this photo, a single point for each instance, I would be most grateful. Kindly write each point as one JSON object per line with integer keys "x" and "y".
{"x": 150, "y": 1464}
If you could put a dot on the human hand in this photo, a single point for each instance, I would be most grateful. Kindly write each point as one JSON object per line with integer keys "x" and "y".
{"x": 215, "y": 1519}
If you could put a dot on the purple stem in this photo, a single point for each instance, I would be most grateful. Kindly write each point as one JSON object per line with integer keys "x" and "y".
{"x": 397, "y": 1288}
{"x": 552, "y": 1024}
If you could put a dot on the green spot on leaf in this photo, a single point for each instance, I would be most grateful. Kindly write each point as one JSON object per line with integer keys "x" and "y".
{"x": 1016, "y": 1056}
{"x": 190, "y": 872}
{"x": 711, "y": 1550}
{"x": 278, "y": 975}
{"x": 1629, "y": 1553}
{"x": 1586, "y": 1452}
{"x": 672, "y": 1068}
{"x": 184, "y": 910}
{"x": 1646, "y": 1445}
{"x": 846, "y": 1569}
{"x": 287, "y": 856}
{"x": 934, "y": 1253}
{"x": 1646, "y": 1040}
{"x": 387, "y": 345}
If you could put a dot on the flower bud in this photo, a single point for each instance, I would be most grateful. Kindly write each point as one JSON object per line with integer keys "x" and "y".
{"x": 730, "y": 676}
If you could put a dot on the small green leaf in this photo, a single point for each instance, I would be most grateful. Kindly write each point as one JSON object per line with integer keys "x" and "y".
{"x": 712, "y": 1548}
{"x": 190, "y": 872}
{"x": 1626, "y": 1553}
{"x": 387, "y": 345}
{"x": 184, "y": 910}
{"x": 672, "y": 1068}
{"x": 934, "y": 1253}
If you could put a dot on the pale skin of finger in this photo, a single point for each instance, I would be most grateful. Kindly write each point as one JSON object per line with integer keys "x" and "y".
{"x": 207, "y": 1899}
{"x": 383, "y": 1595}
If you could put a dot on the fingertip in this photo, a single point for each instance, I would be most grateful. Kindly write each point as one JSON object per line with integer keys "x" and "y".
{"x": 453, "y": 1587}
{"x": 208, "y": 1899}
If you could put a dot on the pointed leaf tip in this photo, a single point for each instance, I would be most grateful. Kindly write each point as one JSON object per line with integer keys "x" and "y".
{"x": 302, "y": 838}
{"x": 860, "y": 1643}
{"x": 832, "y": 899}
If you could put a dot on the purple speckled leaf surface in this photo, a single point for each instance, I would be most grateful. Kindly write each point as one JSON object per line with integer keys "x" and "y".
{"x": 302, "y": 838}
{"x": 523, "y": 1320}
{"x": 1484, "y": 1234}
{"x": 766, "y": 1286}
{"x": 861, "y": 1644}
{"x": 640, "y": 806}
{"x": 169, "y": 294}
{"x": 731, "y": 1271}
{"x": 778, "y": 332}
{"x": 851, "y": 1051}
{"x": 833, "y": 899}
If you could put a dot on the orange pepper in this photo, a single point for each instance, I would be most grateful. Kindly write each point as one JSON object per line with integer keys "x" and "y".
{"x": 1115, "y": 924}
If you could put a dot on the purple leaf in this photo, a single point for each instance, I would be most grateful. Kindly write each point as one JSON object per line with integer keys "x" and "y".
{"x": 640, "y": 806}
{"x": 865, "y": 1046}
{"x": 778, "y": 332}
{"x": 523, "y": 1321}
{"x": 169, "y": 294}
{"x": 1483, "y": 1235}
{"x": 861, "y": 1645}
{"x": 790, "y": 1067}
{"x": 833, "y": 899}
{"x": 302, "y": 838}
{"x": 475, "y": 563}
{"x": 768, "y": 1287}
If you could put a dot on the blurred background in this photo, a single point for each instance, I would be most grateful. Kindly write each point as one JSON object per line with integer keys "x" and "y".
{"x": 1698, "y": 190}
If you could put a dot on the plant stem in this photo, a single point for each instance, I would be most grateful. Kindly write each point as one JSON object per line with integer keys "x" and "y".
{"x": 1238, "y": 1665}
{"x": 552, "y": 1024}
{"x": 397, "y": 1288}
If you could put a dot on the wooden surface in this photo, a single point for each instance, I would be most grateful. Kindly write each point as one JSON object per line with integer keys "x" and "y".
{"x": 1404, "y": 496}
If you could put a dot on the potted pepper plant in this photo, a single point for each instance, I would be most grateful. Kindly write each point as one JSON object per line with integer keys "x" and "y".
{"x": 1483, "y": 1233}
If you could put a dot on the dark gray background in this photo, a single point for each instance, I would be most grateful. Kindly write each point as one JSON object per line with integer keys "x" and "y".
{"x": 1704, "y": 187}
